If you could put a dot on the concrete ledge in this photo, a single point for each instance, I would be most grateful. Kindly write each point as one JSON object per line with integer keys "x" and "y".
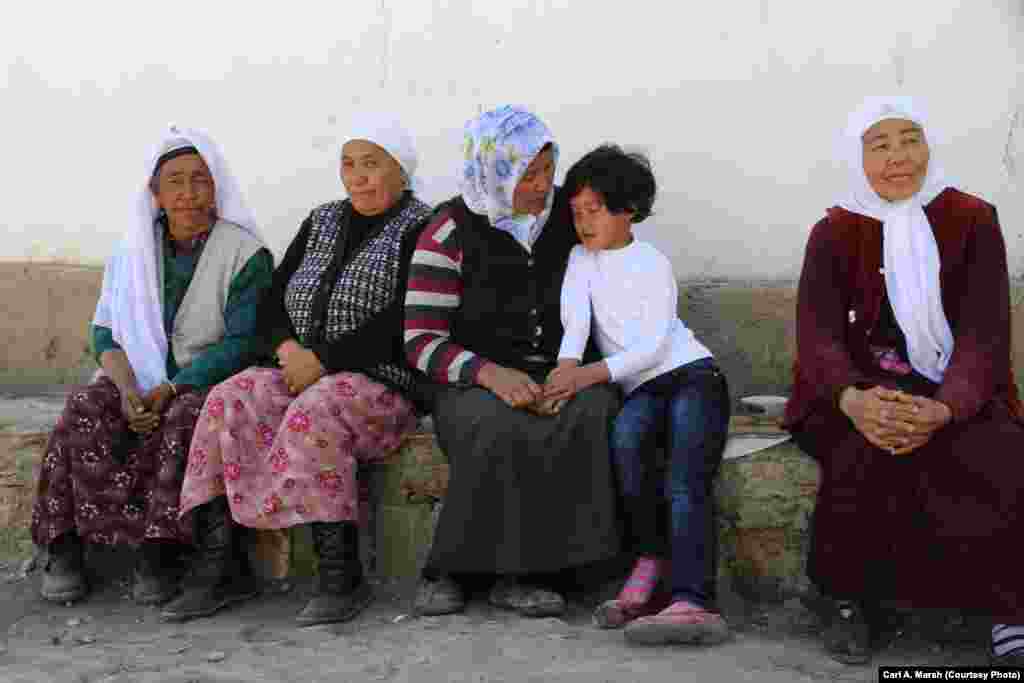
{"x": 765, "y": 503}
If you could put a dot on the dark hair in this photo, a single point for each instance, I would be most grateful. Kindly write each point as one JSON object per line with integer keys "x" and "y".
{"x": 623, "y": 180}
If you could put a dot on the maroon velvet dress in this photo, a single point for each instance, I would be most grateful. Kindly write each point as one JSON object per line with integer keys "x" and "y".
{"x": 943, "y": 525}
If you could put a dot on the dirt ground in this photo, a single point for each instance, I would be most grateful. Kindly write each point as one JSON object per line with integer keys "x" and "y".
{"x": 110, "y": 639}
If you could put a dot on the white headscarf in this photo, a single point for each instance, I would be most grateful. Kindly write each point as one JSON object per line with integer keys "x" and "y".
{"x": 387, "y": 132}
{"x": 130, "y": 300}
{"x": 911, "y": 255}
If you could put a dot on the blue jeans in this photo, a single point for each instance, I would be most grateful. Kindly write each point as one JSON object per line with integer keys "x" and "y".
{"x": 685, "y": 410}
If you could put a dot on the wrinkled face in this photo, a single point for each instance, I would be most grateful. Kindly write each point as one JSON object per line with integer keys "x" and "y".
{"x": 531, "y": 191}
{"x": 895, "y": 158}
{"x": 185, "y": 190}
{"x": 371, "y": 176}
{"x": 596, "y": 226}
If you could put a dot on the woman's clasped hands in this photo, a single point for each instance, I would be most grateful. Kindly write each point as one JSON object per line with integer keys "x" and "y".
{"x": 301, "y": 367}
{"x": 143, "y": 411}
{"x": 892, "y": 420}
{"x": 517, "y": 389}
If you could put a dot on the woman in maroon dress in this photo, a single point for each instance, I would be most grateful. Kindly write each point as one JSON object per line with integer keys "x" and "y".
{"x": 904, "y": 393}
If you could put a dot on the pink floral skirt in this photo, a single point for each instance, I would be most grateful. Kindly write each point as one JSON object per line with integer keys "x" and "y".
{"x": 285, "y": 460}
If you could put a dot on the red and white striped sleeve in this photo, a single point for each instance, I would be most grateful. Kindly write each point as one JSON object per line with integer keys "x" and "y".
{"x": 433, "y": 295}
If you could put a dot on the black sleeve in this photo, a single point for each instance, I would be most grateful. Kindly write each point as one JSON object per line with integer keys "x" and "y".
{"x": 273, "y": 318}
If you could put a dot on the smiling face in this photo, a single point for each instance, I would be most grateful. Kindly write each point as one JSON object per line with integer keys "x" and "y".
{"x": 371, "y": 176}
{"x": 185, "y": 190}
{"x": 895, "y": 158}
{"x": 531, "y": 193}
{"x": 596, "y": 226}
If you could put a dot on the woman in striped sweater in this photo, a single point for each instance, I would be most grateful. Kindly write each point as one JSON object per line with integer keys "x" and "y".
{"x": 531, "y": 489}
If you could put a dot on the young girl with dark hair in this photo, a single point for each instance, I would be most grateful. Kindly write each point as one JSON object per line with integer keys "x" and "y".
{"x": 675, "y": 396}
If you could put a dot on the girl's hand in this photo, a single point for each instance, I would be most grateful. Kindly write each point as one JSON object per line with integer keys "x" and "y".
{"x": 564, "y": 382}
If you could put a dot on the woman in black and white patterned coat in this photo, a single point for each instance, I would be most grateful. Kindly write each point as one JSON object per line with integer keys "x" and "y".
{"x": 277, "y": 447}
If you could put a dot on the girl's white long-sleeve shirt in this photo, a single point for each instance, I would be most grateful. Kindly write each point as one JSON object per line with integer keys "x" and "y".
{"x": 631, "y": 297}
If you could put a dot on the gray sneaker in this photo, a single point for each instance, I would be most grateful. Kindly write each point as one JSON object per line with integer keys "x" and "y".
{"x": 434, "y": 598}
{"x": 529, "y": 601}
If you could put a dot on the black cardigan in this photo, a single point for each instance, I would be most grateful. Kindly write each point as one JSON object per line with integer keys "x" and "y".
{"x": 361, "y": 348}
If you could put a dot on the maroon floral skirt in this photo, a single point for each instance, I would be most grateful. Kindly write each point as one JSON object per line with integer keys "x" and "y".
{"x": 106, "y": 482}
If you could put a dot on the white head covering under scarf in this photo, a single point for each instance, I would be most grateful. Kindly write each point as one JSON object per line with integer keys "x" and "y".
{"x": 499, "y": 146}
{"x": 387, "y": 132}
{"x": 130, "y": 299}
{"x": 911, "y": 255}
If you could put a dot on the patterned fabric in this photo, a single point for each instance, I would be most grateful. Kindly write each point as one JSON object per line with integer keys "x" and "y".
{"x": 284, "y": 460}
{"x": 365, "y": 285}
{"x": 499, "y": 146}
{"x": 107, "y": 483}
{"x": 434, "y": 294}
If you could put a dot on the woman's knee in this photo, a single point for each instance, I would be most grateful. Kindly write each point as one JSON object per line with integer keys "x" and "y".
{"x": 91, "y": 399}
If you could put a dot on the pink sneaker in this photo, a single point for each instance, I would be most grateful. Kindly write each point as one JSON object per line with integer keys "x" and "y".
{"x": 613, "y": 614}
{"x": 636, "y": 599}
{"x": 681, "y": 622}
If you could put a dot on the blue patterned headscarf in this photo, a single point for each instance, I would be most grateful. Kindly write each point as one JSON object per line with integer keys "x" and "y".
{"x": 499, "y": 146}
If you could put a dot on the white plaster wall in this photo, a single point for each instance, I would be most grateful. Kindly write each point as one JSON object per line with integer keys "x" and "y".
{"x": 737, "y": 103}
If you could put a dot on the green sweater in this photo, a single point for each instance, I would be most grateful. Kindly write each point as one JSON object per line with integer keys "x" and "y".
{"x": 241, "y": 345}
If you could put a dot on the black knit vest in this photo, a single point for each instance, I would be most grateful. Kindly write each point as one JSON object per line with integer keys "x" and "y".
{"x": 510, "y": 311}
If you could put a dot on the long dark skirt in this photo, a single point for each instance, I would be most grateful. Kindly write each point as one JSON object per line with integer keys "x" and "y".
{"x": 940, "y": 527}
{"x": 526, "y": 494}
{"x": 106, "y": 482}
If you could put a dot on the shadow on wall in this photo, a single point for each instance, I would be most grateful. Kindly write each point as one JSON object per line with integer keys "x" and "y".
{"x": 750, "y": 329}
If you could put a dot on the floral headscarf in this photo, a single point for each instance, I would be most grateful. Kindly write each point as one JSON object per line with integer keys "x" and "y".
{"x": 499, "y": 146}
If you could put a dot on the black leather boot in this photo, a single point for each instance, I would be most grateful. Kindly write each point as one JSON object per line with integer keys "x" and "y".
{"x": 154, "y": 581}
{"x": 341, "y": 591}
{"x": 218, "y": 575}
{"x": 64, "y": 573}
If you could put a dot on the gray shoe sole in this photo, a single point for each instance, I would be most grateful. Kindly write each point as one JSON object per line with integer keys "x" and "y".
{"x": 535, "y": 611}
{"x": 150, "y": 599}
{"x": 66, "y": 596}
{"x": 73, "y": 594}
{"x": 653, "y": 632}
{"x": 360, "y": 600}
{"x": 210, "y": 609}
{"x": 438, "y": 606}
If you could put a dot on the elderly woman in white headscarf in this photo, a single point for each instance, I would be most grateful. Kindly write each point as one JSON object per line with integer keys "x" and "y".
{"x": 177, "y": 314}
{"x": 279, "y": 447}
{"x": 905, "y": 394}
